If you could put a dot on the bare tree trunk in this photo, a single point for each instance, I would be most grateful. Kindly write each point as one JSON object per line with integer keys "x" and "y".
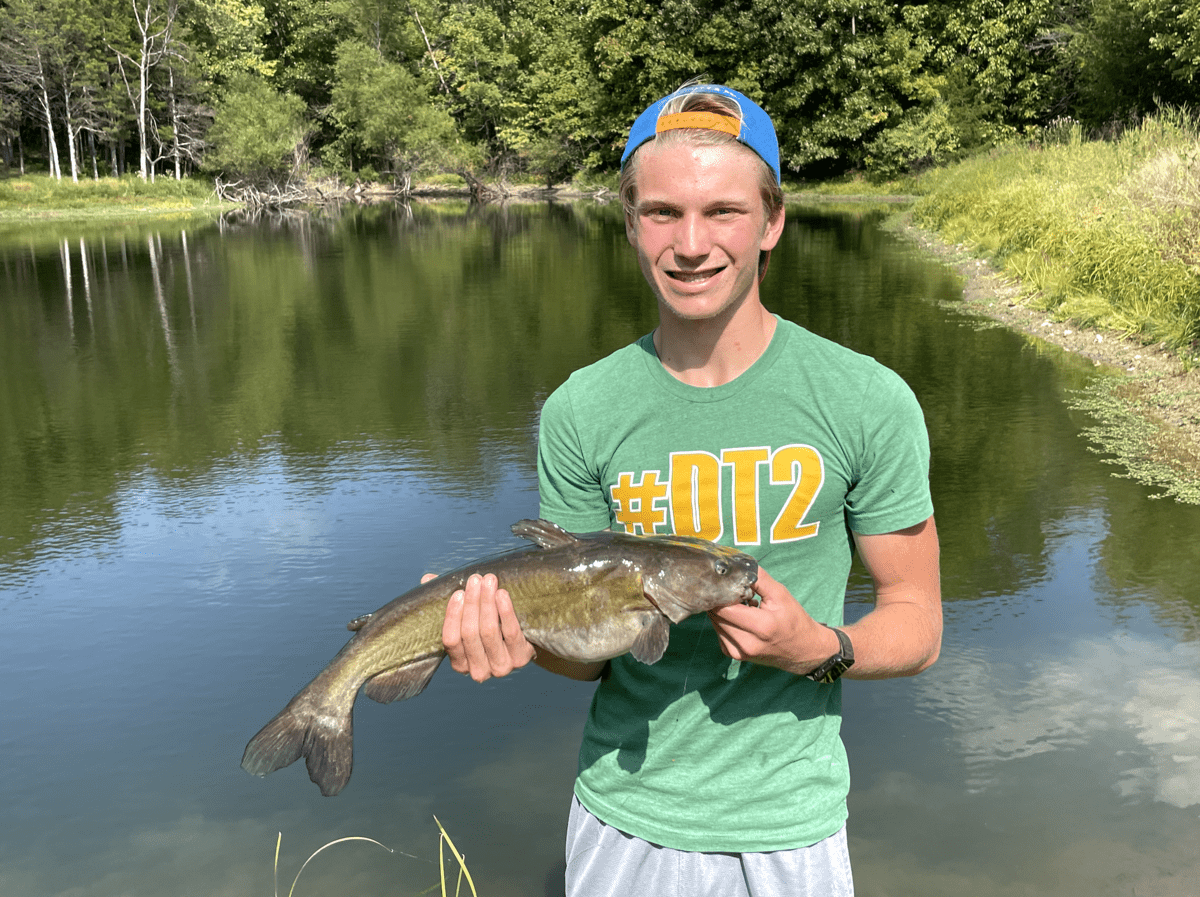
{"x": 44, "y": 101}
{"x": 154, "y": 46}
{"x": 51, "y": 143}
{"x": 143, "y": 90}
{"x": 72, "y": 132}
{"x": 92, "y": 150}
{"x": 174, "y": 123}
{"x": 429, "y": 49}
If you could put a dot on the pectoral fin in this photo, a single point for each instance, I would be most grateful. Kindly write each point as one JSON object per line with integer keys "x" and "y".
{"x": 403, "y": 682}
{"x": 662, "y": 598}
{"x": 651, "y": 642}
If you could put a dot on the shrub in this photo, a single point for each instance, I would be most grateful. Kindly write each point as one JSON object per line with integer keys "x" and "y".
{"x": 257, "y": 134}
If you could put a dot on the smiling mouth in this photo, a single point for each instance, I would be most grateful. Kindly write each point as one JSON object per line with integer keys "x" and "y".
{"x": 695, "y": 276}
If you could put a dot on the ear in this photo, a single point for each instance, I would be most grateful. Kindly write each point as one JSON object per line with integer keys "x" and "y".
{"x": 772, "y": 232}
{"x": 631, "y": 230}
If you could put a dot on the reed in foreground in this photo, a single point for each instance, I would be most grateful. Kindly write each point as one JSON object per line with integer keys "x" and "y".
{"x": 443, "y": 842}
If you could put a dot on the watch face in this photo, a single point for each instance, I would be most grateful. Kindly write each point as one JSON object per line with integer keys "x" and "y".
{"x": 831, "y": 670}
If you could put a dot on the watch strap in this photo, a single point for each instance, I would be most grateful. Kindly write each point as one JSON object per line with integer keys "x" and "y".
{"x": 833, "y": 668}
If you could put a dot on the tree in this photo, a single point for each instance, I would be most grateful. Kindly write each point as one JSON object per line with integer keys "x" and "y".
{"x": 383, "y": 111}
{"x": 28, "y": 38}
{"x": 1177, "y": 35}
{"x": 76, "y": 58}
{"x": 257, "y": 133}
{"x": 481, "y": 70}
{"x": 301, "y": 40}
{"x": 1126, "y": 57}
{"x": 153, "y": 40}
{"x": 228, "y": 37}
{"x": 553, "y": 103}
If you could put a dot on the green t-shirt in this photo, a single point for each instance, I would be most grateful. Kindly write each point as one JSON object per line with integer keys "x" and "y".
{"x": 699, "y": 752}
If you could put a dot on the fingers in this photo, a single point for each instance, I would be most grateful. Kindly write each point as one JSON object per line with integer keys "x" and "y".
{"x": 777, "y": 632}
{"x": 481, "y": 632}
{"x": 520, "y": 652}
{"x": 769, "y": 588}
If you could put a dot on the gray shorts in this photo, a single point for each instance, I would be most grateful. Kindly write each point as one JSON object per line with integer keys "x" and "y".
{"x": 605, "y": 862}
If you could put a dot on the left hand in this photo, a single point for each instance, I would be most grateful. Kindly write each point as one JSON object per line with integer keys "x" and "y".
{"x": 481, "y": 633}
{"x": 778, "y": 632}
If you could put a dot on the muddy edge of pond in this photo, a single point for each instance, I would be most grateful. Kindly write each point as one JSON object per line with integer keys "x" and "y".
{"x": 1148, "y": 414}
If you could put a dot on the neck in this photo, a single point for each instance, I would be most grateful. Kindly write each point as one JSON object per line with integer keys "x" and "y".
{"x": 713, "y": 352}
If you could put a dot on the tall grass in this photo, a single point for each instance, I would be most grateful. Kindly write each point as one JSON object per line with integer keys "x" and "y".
{"x": 1103, "y": 232}
{"x": 38, "y": 193}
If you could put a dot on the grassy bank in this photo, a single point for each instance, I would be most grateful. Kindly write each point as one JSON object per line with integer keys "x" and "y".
{"x": 1105, "y": 233}
{"x": 38, "y": 196}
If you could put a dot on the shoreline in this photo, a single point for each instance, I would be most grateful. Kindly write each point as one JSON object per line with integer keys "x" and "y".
{"x": 1147, "y": 407}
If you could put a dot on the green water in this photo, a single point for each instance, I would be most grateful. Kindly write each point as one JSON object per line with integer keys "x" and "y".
{"x": 220, "y": 442}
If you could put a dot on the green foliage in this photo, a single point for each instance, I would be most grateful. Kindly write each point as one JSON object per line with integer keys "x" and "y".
{"x": 229, "y": 34}
{"x": 1101, "y": 232}
{"x": 257, "y": 133}
{"x": 988, "y": 50}
{"x": 302, "y": 40}
{"x": 383, "y": 113}
{"x": 1128, "y": 57}
{"x": 924, "y": 137}
{"x": 516, "y": 77}
{"x": 555, "y": 99}
{"x": 548, "y": 88}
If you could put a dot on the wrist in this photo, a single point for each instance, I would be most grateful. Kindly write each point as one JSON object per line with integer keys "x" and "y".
{"x": 840, "y": 658}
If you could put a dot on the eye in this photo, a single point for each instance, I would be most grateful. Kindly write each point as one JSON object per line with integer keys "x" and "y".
{"x": 721, "y": 569}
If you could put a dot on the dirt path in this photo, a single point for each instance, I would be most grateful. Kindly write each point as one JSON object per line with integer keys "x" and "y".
{"x": 1148, "y": 413}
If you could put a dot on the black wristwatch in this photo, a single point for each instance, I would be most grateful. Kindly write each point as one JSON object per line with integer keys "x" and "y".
{"x": 831, "y": 669}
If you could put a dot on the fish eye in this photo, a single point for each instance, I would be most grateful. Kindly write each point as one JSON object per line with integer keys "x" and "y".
{"x": 721, "y": 569}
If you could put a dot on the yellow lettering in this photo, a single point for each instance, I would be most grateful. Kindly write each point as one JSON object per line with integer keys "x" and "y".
{"x": 803, "y": 466}
{"x": 745, "y": 463}
{"x": 696, "y": 495}
{"x": 635, "y": 502}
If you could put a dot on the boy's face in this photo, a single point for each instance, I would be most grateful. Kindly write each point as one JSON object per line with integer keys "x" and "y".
{"x": 698, "y": 227}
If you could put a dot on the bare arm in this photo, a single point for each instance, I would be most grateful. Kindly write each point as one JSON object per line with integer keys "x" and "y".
{"x": 900, "y": 637}
{"x": 483, "y": 637}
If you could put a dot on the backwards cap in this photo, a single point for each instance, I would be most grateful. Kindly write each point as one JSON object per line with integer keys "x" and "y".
{"x": 755, "y": 129}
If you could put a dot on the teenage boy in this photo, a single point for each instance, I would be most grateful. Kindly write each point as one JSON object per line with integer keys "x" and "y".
{"x": 720, "y": 769}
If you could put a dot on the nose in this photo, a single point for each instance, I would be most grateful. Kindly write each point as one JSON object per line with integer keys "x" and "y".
{"x": 692, "y": 237}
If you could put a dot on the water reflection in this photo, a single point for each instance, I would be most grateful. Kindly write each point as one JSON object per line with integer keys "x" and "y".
{"x": 220, "y": 441}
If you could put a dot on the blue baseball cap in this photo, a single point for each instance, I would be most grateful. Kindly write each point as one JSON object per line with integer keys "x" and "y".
{"x": 755, "y": 129}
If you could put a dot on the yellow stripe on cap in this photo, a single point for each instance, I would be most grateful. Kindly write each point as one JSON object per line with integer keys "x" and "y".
{"x": 707, "y": 121}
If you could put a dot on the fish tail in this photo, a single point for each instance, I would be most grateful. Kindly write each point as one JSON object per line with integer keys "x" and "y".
{"x": 325, "y": 739}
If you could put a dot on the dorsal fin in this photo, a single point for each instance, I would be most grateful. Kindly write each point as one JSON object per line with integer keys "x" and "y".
{"x": 359, "y": 622}
{"x": 543, "y": 533}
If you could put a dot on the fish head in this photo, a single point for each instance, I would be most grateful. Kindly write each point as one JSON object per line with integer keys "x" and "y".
{"x": 687, "y": 575}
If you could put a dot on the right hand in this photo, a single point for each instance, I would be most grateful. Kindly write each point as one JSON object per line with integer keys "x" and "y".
{"x": 481, "y": 633}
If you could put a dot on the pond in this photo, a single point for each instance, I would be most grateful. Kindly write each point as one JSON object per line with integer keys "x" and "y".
{"x": 220, "y": 441}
